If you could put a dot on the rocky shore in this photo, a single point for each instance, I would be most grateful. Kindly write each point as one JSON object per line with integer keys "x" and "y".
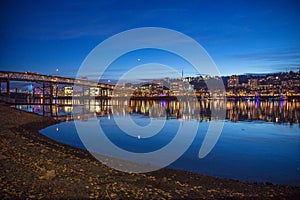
{"x": 35, "y": 167}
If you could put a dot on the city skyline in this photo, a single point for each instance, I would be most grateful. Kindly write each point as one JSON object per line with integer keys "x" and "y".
{"x": 274, "y": 84}
{"x": 241, "y": 37}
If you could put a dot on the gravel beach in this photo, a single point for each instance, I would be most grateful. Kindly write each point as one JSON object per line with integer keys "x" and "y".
{"x": 34, "y": 167}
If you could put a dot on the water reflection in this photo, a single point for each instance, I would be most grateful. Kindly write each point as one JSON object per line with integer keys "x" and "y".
{"x": 270, "y": 111}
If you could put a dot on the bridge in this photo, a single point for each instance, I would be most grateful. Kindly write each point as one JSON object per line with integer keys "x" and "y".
{"x": 50, "y": 82}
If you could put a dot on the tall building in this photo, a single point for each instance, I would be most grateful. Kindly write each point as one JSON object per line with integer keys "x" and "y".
{"x": 176, "y": 87}
{"x": 233, "y": 81}
{"x": 253, "y": 83}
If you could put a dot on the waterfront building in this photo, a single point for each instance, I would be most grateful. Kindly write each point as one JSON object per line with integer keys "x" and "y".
{"x": 67, "y": 91}
{"x": 253, "y": 83}
{"x": 233, "y": 81}
{"x": 94, "y": 91}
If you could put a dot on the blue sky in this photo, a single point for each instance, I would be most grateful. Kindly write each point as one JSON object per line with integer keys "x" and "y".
{"x": 240, "y": 36}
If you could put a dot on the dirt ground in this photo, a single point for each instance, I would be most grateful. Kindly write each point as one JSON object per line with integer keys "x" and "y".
{"x": 35, "y": 167}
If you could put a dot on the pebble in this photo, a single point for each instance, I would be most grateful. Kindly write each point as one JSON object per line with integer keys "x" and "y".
{"x": 3, "y": 157}
{"x": 43, "y": 151}
{"x": 49, "y": 175}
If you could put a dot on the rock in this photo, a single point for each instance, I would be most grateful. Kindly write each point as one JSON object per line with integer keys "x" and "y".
{"x": 43, "y": 151}
{"x": 113, "y": 195}
{"x": 49, "y": 175}
{"x": 3, "y": 157}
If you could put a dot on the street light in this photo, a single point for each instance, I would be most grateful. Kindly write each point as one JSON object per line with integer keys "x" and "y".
{"x": 56, "y": 85}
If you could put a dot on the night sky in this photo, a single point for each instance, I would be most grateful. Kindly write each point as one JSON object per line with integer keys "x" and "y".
{"x": 240, "y": 36}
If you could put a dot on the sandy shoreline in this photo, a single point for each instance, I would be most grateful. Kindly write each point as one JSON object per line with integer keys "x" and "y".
{"x": 33, "y": 166}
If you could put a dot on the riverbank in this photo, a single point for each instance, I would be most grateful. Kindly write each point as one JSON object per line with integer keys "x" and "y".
{"x": 33, "y": 166}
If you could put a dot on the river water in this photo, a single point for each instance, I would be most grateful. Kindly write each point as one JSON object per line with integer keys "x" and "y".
{"x": 260, "y": 140}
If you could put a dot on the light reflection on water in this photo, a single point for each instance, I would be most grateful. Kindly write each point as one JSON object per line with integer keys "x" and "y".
{"x": 269, "y": 111}
{"x": 245, "y": 151}
{"x": 260, "y": 140}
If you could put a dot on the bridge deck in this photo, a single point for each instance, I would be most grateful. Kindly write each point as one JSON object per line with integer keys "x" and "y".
{"x": 6, "y": 76}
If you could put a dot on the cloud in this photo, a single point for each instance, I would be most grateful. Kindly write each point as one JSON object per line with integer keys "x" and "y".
{"x": 280, "y": 59}
{"x": 279, "y": 54}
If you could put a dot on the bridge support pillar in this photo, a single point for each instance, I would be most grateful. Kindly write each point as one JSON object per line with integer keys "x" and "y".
{"x": 16, "y": 93}
{"x": 104, "y": 93}
{"x": 51, "y": 94}
{"x": 82, "y": 96}
{"x": 7, "y": 87}
{"x": 43, "y": 88}
{"x": 56, "y": 90}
